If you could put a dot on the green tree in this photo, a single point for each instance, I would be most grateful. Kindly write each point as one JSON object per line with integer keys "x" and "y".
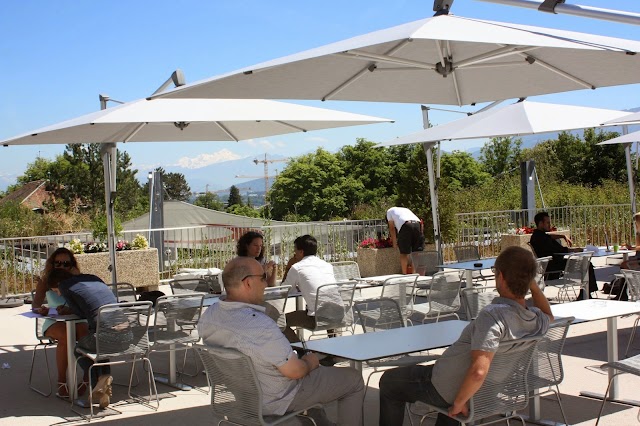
{"x": 209, "y": 200}
{"x": 501, "y": 155}
{"x": 243, "y": 211}
{"x": 175, "y": 185}
{"x": 460, "y": 170}
{"x": 234, "y": 196}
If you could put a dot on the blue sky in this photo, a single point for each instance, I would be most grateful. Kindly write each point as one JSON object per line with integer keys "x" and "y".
{"x": 58, "y": 56}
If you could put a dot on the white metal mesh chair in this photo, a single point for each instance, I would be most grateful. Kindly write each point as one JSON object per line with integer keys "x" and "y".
{"x": 541, "y": 269}
{"x": 278, "y": 296}
{"x": 628, "y": 365}
{"x": 468, "y": 253}
{"x": 425, "y": 263}
{"x": 443, "y": 298}
{"x": 122, "y": 336}
{"x": 632, "y": 283}
{"x": 189, "y": 285}
{"x": 505, "y": 389}
{"x": 175, "y": 323}
{"x": 401, "y": 289}
{"x": 476, "y": 298}
{"x": 236, "y": 396}
{"x": 575, "y": 275}
{"x": 547, "y": 372}
{"x": 333, "y": 308}
{"x": 44, "y": 342}
{"x": 124, "y": 292}
{"x": 345, "y": 271}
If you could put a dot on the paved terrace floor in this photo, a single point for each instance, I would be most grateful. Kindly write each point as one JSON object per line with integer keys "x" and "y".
{"x": 585, "y": 350}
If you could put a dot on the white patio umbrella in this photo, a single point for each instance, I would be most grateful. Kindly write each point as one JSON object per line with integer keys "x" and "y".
{"x": 183, "y": 120}
{"x": 627, "y": 139}
{"x": 628, "y": 119}
{"x": 521, "y": 118}
{"x": 443, "y": 60}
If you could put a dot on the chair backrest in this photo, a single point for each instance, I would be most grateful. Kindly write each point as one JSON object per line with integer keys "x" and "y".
{"x": 278, "y": 293}
{"x": 632, "y": 281}
{"x": 346, "y": 270}
{"x": 465, "y": 253}
{"x": 333, "y": 305}
{"x": 577, "y": 267}
{"x": 505, "y": 388}
{"x": 176, "y": 319}
{"x": 124, "y": 292}
{"x": 548, "y": 371}
{"x": 123, "y": 329}
{"x": 541, "y": 268}
{"x": 189, "y": 285}
{"x": 401, "y": 289}
{"x": 215, "y": 283}
{"x": 235, "y": 391}
{"x": 425, "y": 263}
{"x": 476, "y": 298}
{"x": 378, "y": 314}
{"x": 444, "y": 295}
{"x": 532, "y": 249}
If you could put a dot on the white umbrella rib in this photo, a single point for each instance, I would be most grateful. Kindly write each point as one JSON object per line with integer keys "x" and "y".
{"x": 226, "y": 131}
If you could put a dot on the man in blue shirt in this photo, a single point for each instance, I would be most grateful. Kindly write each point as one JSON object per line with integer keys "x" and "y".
{"x": 85, "y": 294}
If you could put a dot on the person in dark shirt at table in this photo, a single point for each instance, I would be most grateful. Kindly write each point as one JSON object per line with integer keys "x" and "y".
{"x": 85, "y": 294}
{"x": 545, "y": 244}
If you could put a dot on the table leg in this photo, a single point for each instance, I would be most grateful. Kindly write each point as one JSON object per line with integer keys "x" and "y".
{"x": 71, "y": 359}
{"x": 469, "y": 278}
{"x": 300, "y": 307}
{"x": 356, "y": 364}
{"x": 612, "y": 355}
{"x": 172, "y": 380}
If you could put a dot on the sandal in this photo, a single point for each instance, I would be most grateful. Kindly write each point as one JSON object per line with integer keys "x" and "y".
{"x": 82, "y": 388}
{"x": 63, "y": 390}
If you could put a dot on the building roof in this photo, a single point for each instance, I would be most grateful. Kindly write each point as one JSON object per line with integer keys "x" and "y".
{"x": 32, "y": 194}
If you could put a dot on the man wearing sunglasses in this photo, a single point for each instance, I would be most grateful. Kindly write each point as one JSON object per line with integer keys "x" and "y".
{"x": 287, "y": 382}
{"x": 460, "y": 371}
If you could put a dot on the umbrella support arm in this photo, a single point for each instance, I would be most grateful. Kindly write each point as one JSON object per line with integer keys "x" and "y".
{"x": 109, "y": 161}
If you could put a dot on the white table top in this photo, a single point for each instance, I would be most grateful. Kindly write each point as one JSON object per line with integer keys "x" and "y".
{"x": 470, "y": 265}
{"x": 594, "y": 309}
{"x": 398, "y": 341}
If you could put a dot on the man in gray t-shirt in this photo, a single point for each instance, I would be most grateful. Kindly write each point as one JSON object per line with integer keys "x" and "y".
{"x": 288, "y": 383}
{"x": 460, "y": 371}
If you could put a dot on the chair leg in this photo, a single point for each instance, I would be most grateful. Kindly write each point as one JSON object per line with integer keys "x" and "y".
{"x": 633, "y": 335}
{"x": 46, "y": 360}
{"x": 604, "y": 399}
{"x": 557, "y": 392}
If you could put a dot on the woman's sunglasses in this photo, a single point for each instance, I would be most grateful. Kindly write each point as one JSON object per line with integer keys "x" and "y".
{"x": 62, "y": 264}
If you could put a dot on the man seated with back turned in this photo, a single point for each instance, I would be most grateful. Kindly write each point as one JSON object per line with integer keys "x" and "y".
{"x": 85, "y": 294}
{"x": 288, "y": 383}
{"x": 545, "y": 244}
{"x": 459, "y": 373}
{"x": 307, "y": 272}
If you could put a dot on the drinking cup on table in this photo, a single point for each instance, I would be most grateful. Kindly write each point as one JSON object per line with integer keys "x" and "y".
{"x": 615, "y": 248}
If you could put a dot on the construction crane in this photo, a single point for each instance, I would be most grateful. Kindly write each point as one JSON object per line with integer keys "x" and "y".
{"x": 266, "y": 171}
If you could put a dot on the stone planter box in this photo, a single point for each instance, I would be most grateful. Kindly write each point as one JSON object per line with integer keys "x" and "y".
{"x": 374, "y": 262}
{"x": 508, "y": 240}
{"x": 137, "y": 267}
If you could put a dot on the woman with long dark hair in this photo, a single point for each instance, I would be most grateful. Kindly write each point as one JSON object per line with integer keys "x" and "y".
{"x": 251, "y": 244}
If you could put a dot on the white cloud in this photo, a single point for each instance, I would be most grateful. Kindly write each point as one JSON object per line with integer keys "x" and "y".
{"x": 203, "y": 160}
{"x": 263, "y": 144}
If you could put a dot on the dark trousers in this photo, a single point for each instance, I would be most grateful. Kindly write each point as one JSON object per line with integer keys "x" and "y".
{"x": 301, "y": 319}
{"x": 409, "y": 384}
{"x": 88, "y": 343}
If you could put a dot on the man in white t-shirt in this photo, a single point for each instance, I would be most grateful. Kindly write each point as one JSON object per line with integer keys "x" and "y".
{"x": 307, "y": 272}
{"x": 405, "y": 229}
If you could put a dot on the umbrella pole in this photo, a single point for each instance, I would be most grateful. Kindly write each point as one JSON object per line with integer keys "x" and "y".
{"x": 109, "y": 162}
{"x": 433, "y": 190}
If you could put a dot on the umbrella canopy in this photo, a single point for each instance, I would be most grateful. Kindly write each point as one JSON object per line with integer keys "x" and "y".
{"x": 443, "y": 60}
{"x": 628, "y": 138}
{"x": 629, "y": 119}
{"x": 191, "y": 120}
{"x": 182, "y": 120}
{"x": 521, "y": 118}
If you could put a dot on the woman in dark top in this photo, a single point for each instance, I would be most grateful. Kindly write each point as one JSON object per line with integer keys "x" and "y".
{"x": 251, "y": 244}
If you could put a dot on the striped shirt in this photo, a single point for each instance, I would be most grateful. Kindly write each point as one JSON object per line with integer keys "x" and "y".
{"x": 248, "y": 329}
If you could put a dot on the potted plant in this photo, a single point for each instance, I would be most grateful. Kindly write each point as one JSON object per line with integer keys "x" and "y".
{"x": 377, "y": 256}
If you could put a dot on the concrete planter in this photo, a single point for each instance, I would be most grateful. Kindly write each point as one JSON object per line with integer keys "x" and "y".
{"x": 508, "y": 240}
{"x": 374, "y": 262}
{"x": 138, "y": 267}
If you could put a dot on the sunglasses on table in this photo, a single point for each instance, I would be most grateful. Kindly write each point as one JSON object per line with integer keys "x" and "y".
{"x": 62, "y": 264}
{"x": 262, "y": 276}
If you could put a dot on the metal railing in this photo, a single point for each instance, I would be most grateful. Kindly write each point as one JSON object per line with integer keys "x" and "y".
{"x": 586, "y": 224}
{"x": 22, "y": 259}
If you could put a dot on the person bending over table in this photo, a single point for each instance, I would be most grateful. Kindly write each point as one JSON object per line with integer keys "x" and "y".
{"x": 86, "y": 294}
{"x": 61, "y": 258}
{"x": 251, "y": 244}
{"x": 288, "y": 383}
{"x": 460, "y": 371}
{"x": 405, "y": 229}
{"x": 545, "y": 244}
